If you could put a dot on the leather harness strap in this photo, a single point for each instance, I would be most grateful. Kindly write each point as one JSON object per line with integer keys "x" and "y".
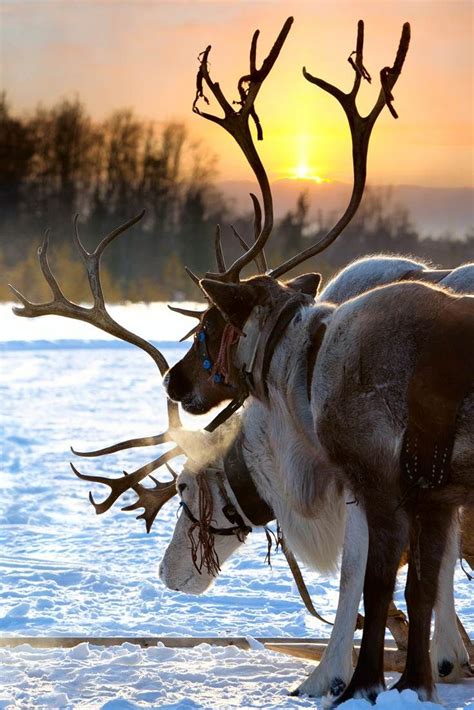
{"x": 274, "y": 328}
{"x": 300, "y": 583}
{"x": 257, "y": 510}
{"x": 225, "y": 414}
{"x": 243, "y": 487}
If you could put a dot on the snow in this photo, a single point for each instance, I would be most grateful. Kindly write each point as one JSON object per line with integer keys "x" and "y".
{"x": 67, "y": 572}
{"x": 128, "y": 677}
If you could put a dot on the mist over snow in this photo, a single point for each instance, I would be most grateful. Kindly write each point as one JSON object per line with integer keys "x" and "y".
{"x": 67, "y": 572}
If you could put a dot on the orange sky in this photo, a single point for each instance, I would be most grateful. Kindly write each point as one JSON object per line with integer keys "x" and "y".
{"x": 143, "y": 55}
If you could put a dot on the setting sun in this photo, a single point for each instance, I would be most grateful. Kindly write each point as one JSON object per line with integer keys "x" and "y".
{"x": 304, "y": 172}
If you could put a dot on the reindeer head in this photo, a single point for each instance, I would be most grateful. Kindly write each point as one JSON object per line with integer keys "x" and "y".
{"x": 208, "y": 531}
{"x": 210, "y": 373}
{"x": 197, "y": 381}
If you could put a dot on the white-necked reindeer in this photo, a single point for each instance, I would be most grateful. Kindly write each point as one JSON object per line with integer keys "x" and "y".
{"x": 246, "y": 488}
{"x": 373, "y": 395}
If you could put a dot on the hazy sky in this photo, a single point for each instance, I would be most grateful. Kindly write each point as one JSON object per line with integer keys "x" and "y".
{"x": 144, "y": 55}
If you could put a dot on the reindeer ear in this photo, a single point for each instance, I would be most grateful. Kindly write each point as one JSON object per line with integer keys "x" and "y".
{"x": 306, "y": 283}
{"x": 235, "y": 301}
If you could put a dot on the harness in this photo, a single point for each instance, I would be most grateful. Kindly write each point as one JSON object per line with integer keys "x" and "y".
{"x": 256, "y": 359}
{"x": 254, "y": 508}
{"x": 271, "y": 322}
{"x": 239, "y": 528}
{"x": 218, "y": 372}
{"x": 200, "y": 339}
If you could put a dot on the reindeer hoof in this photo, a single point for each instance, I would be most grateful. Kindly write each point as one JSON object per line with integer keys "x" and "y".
{"x": 318, "y": 685}
{"x": 370, "y": 694}
{"x": 453, "y": 669}
{"x": 445, "y": 668}
{"x": 337, "y": 686}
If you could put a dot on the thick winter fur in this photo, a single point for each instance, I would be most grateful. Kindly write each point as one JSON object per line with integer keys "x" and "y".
{"x": 364, "y": 274}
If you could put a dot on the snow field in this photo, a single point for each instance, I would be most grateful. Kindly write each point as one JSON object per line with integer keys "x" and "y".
{"x": 66, "y": 571}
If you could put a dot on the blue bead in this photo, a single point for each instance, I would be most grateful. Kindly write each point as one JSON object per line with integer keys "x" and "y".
{"x": 217, "y": 378}
{"x": 207, "y": 364}
{"x": 202, "y": 336}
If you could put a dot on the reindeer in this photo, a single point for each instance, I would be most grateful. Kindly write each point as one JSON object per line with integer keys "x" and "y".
{"x": 343, "y": 406}
{"x": 236, "y": 465}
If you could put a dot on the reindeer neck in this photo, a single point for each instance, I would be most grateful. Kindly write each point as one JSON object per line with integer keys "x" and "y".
{"x": 294, "y": 357}
{"x": 316, "y": 540}
{"x": 264, "y": 330}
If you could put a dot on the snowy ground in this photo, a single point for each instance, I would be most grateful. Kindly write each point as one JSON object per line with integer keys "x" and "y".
{"x": 66, "y": 571}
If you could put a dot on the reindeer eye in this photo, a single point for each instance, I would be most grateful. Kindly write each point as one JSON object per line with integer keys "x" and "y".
{"x": 182, "y": 487}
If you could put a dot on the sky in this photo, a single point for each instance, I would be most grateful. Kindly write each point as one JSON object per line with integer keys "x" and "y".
{"x": 114, "y": 54}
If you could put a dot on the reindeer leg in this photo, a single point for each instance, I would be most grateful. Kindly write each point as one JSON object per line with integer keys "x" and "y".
{"x": 449, "y": 657}
{"x": 334, "y": 671}
{"x": 387, "y": 539}
{"x": 430, "y": 527}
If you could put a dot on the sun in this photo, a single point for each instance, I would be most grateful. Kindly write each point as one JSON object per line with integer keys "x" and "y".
{"x": 304, "y": 172}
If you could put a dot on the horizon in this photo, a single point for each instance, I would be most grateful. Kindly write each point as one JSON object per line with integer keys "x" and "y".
{"x": 114, "y": 54}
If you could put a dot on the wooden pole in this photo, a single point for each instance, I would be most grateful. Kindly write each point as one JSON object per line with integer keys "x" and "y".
{"x": 310, "y": 649}
{"x": 149, "y": 641}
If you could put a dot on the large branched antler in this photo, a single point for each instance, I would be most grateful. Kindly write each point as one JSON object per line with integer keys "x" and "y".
{"x": 236, "y": 122}
{"x": 152, "y": 499}
{"x": 118, "y": 486}
{"x": 361, "y": 129}
{"x": 99, "y": 317}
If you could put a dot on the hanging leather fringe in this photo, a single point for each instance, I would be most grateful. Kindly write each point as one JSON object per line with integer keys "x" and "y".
{"x": 203, "y": 550}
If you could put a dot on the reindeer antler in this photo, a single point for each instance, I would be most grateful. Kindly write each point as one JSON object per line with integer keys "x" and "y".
{"x": 236, "y": 122}
{"x": 98, "y": 316}
{"x": 361, "y": 129}
{"x": 152, "y": 499}
{"x": 118, "y": 486}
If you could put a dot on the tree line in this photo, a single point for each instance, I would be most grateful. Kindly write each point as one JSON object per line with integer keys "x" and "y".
{"x": 57, "y": 161}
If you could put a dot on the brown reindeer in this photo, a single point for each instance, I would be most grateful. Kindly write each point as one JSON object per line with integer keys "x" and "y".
{"x": 375, "y": 393}
{"x": 237, "y": 464}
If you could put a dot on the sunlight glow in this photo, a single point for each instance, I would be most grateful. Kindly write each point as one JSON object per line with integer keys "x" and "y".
{"x": 304, "y": 172}
{"x": 305, "y": 153}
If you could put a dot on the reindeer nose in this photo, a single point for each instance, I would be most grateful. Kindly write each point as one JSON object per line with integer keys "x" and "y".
{"x": 176, "y": 384}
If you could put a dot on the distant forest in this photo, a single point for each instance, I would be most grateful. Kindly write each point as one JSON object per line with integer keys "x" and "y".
{"x": 58, "y": 161}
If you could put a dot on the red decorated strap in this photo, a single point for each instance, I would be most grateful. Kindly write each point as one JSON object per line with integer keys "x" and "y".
{"x": 230, "y": 336}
